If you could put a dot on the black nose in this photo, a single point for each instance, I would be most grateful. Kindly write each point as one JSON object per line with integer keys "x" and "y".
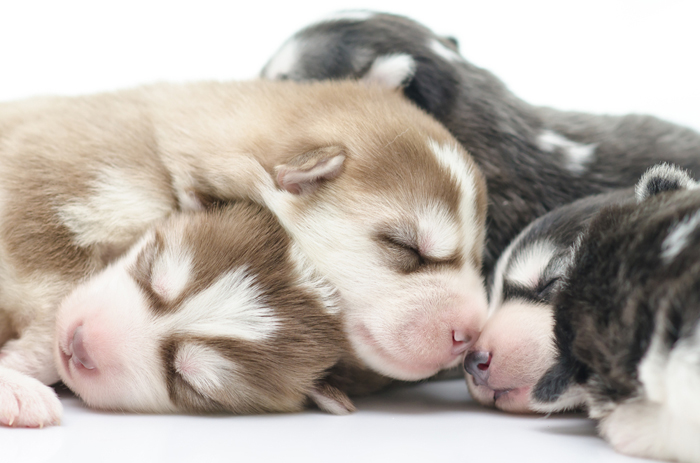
{"x": 477, "y": 364}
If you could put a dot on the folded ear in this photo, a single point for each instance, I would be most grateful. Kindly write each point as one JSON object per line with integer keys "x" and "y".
{"x": 303, "y": 174}
{"x": 331, "y": 399}
{"x": 391, "y": 71}
{"x": 663, "y": 177}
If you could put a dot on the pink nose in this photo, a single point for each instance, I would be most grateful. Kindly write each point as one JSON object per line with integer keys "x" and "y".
{"x": 80, "y": 355}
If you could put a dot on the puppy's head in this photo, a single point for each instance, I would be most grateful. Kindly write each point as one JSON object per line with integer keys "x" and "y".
{"x": 384, "y": 49}
{"x": 391, "y": 209}
{"x": 210, "y": 312}
{"x": 605, "y": 282}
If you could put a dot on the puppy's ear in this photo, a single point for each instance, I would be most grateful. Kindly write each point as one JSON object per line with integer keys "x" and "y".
{"x": 392, "y": 71}
{"x": 453, "y": 41}
{"x": 663, "y": 177}
{"x": 306, "y": 172}
{"x": 331, "y": 399}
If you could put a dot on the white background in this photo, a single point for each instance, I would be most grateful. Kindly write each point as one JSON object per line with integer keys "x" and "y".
{"x": 599, "y": 56}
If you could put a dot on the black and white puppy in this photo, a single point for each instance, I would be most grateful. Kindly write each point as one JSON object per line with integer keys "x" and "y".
{"x": 627, "y": 334}
{"x": 534, "y": 159}
{"x": 515, "y": 347}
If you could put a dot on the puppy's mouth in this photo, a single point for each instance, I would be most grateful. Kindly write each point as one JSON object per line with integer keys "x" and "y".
{"x": 511, "y": 399}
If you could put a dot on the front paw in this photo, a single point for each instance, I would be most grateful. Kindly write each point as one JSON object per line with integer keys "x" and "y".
{"x": 26, "y": 402}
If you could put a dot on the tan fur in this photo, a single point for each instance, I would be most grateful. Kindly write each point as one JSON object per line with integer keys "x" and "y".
{"x": 82, "y": 178}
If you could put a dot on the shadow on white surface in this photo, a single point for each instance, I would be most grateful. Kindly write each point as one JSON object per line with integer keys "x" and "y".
{"x": 424, "y": 423}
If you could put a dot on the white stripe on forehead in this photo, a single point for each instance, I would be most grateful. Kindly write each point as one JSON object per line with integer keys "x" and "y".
{"x": 284, "y": 60}
{"x": 452, "y": 160}
{"x": 233, "y": 306}
{"x": 171, "y": 270}
{"x": 528, "y": 264}
{"x": 438, "y": 233}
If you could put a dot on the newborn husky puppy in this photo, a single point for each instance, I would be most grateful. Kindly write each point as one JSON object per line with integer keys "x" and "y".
{"x": 627, "y": 322}
{"x": 209, "y": 312}
{"x": 380, "y": 198}
{"x": 515, "y": 346}
{"x": 534, "y": 159}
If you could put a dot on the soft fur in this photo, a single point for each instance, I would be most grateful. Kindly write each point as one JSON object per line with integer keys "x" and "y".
{"x": 379, "y": 197}
{"x": 534, "y": 159}
{"x": 626, "y": 329}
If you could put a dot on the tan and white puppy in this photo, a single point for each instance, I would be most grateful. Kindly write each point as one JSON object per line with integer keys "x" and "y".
{"x": 209, "y": 312}
{"x": 378, "y": 196}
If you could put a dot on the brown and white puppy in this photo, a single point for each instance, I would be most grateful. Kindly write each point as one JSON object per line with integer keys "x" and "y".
{"x": 212, "y": 311}
{"x": 215, "y": 311}
{"x": 379, "y": 197}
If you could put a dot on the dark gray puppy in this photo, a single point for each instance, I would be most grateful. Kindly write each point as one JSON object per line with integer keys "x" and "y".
{"x": 534, "y": 159}
{"x": 627, "y": 333}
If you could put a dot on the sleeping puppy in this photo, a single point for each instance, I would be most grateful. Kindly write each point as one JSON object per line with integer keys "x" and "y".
{"x": 214, "y": 311}
{"x": 627, "y": 331}
{"x": 355, "y": 175}
{"x": 534, "y": 159}
{"x": 515, "y": 346}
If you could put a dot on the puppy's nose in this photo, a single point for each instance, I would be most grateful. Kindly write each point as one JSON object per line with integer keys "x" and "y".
{"x": 80, "y": 353}
{"x": 477, "y": 364}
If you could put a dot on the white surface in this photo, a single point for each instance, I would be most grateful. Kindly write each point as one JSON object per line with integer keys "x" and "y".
{"x": 601, "y": 56}
{"x": 426, "y": 423}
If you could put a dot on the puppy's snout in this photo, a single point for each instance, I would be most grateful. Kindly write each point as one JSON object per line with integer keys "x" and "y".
{"x": 477, "y": 364}
{"x": 80, "y": 355}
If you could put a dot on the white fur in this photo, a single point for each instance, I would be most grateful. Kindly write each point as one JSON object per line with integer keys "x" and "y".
{"x": 677, "y": 239}
{"x": 25, "y": 402}
{"x": 526, "y": 268}
{"x": 233, "y": 306}
{"x": 115, "y": 211}
{"x": 443, "y": 51}
{"x": 171, "y": 273}
{"x": 391, "y": 71}
{"x": 647, "y": 429}
{"x": 348, "y": 15}
{"x": 284, "y": 60}
{"x": 203, "y": 368}
{"x": 577, "y": 155}
{"x": 309, "y": 277}
{"x": 452, "y": 160}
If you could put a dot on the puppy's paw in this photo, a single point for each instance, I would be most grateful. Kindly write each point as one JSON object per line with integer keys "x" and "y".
{"x": 26, "y": 402}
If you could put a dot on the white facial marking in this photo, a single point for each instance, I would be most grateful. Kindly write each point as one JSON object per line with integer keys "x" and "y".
{"x": 348, "y": 15}
{"x": 577, "y": 155}
{"x": 677, "y": 239}
{"x": 527, "y": 267}
{"x": 310, "y": 278}
{"x": 438, "y": 234}
{"x": 284, "y": 60}
{"x": 391, "y": 71}
{"x": 203, "y": 367}
{"x": 440, "y": 49}
{"x": 115, "y": 210}
{"x": 171, "y": 273}
{"x": 232, "y": 306}
{"x": 452, "y": 160}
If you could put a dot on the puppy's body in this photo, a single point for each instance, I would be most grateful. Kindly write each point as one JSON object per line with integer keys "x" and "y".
{"x": 355, "y": 175}
{"x": 627, "y": 331}
{"x": 534, "y": 159}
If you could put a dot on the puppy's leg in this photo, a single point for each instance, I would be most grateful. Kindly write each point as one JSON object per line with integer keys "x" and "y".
{"x": 647, "y": 429}
{"x": 26, "y": 368}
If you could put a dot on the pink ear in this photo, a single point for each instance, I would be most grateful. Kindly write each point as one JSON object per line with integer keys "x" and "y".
{"x": 303, "y": 174}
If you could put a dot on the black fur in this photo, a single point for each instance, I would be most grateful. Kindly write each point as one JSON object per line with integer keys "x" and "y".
{"x": 497, "y": 128}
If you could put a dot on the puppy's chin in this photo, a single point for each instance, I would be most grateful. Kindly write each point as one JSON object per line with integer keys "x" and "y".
{"x": 515, "y": 399}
